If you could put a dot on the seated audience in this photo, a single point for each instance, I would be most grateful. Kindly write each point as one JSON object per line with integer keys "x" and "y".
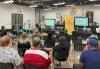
{"x": 90, "y": 59}
{"x": 38, "y": 27}
{"x": 37, "y": 33}
{"x": 62, "y": 49}
{"x": 21, "y": 30}
{"x": 49, "y": 42}
{"x": 37, "y": 57}
{"x": 7, "y": 53}
{"x": 92, "y": 36}
{"x": 14, "y": 31}
{"x": 23, "y": 44}
{"x": 65, "y": 34}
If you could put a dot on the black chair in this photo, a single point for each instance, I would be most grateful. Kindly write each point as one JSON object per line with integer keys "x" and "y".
{"x": 6, "y": 66}
{"x": 78, "y": 44}
{"x": 29, "y": 66}
{"x": 61, "y": 55}
{"x": 49, "y": 43}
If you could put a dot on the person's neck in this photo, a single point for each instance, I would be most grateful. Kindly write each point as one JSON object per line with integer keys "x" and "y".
{"x": 7, "y": 46}
{"x": 34, "y": 48}
{"x": 93, "y": 48}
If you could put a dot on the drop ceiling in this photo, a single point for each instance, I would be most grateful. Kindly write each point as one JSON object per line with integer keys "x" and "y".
{"x": 49, "y": 3}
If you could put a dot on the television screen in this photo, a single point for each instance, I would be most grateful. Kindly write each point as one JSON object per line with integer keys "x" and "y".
{"x": 81, "y": 21}
{"x": 50, "y": 22}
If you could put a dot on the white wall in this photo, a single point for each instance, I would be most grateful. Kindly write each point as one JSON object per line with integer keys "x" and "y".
{"x": 7, "y": 9}
{"x": 75, "y": 11}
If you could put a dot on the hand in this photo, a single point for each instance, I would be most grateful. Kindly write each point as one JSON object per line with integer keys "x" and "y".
{"x": 48, "y": 49}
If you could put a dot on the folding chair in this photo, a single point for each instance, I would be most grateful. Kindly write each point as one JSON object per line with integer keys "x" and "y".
{"x": 29, "y": 66}
{"x": 6, "y": 66}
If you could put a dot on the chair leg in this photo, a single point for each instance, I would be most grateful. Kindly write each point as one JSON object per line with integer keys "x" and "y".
{"x": 59, "y": 63}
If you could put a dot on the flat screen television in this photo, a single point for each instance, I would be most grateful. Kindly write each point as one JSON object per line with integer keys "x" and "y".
{"x": 50, "y": 22}
{"x": 81, "y": 22}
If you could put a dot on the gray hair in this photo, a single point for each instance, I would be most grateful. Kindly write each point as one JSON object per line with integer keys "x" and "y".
{"x": 36, "y": 41}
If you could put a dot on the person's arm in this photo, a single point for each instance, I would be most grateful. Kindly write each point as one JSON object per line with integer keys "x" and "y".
{"x": 17, "y": 58}
{"x": 49, "y": 61}
{"x": 81, "y": 65}
{"x": 48, "y": 49}
{"x": 82, "y": 60}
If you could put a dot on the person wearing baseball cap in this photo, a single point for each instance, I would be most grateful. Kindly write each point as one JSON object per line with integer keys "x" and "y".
{"x": 93, "y": 43}
{"x": 90, "y": 59}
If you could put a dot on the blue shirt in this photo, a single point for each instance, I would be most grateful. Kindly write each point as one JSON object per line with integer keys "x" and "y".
{"x": 91, "y": 59}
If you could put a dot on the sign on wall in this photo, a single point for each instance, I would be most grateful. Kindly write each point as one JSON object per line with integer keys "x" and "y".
{"x": 69, "y": 24}
{"x": 89, "y": 14}
{"x": 58, "y": 15}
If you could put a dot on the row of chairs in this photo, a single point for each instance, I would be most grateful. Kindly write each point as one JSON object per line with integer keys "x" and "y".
{"x": 28, "y": 66}
{"x": 24, "y": 66}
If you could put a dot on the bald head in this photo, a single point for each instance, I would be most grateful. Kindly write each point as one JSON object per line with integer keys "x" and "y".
{"x": 36, "y": 41}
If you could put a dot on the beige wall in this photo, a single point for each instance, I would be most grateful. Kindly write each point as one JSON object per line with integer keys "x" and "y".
{"x": 7, "y": 9}
{"x": 74, "y": 11}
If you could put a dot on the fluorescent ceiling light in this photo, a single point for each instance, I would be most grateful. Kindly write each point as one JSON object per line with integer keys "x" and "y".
{"x": 97, "y": 5}
{"x": 69, "y": 5}
{"x": 60, "y": 3}
{"x": 9, "y": 1}
{"x": 33, "y": 6}
{"x": 92, "y": 0}
{"x": 48, "y": 9}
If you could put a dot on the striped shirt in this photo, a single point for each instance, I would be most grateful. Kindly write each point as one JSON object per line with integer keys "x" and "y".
{"x": 37, "y": 57}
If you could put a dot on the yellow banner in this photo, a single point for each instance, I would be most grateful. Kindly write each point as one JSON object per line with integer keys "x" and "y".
{"x": 69, "y": 24}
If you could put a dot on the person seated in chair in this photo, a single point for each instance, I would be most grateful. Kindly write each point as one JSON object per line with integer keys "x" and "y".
{"x": 7, "y": 53}
{"x": 36, "y": 57}
{"x": 90, "y": 59}
{"x": 23, "y": 44}
{"x": 49, "y": 42}
{"x": 61, "y": 51}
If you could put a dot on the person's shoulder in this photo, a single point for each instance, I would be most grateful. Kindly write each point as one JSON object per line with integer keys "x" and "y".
{"x": 86, "y": 52}
{"x": 13, "y": 50}
{"x": 10, "y": 50}
{"x": 57, "y": 47}
{"x": 38, "y": 52}
{"x": 44, "y": 54}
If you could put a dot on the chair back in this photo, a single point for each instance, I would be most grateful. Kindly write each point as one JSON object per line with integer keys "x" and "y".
{"x": 76, "y": 66}
{"x": 6, "y": 66}
{"x": 29, "y": 66}
{"x": 61, "y": 54}
{"x": 49, "y": 43}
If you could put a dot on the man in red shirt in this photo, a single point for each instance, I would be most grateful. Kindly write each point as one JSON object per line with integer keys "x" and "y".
{"x": 37, "y": 57}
